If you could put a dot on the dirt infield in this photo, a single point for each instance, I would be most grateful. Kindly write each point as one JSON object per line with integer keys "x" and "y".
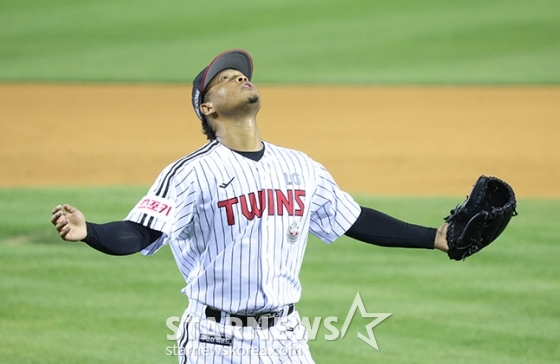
{"x": 396, "y": 140}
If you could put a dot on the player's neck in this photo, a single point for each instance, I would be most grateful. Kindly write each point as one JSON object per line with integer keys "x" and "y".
{"x": 240, "y": 136}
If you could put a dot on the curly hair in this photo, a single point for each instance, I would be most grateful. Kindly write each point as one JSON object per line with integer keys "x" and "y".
{"x": 207, "y": 130}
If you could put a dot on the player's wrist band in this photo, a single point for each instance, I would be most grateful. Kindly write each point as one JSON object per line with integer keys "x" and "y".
{"x": 263, "y": 320}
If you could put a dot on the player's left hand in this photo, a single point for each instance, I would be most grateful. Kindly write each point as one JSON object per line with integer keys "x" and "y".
{"x": 69, "y": 222}
{"x": 441, "y": 238}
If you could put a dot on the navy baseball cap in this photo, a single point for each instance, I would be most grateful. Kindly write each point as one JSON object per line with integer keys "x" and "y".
{"x": 237, "y": 59}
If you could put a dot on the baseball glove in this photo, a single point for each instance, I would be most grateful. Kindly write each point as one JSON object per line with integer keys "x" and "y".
{"x": 481, "y": 218}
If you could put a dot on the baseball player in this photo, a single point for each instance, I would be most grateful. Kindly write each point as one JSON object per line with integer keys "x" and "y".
{"x": 236, "y": 214}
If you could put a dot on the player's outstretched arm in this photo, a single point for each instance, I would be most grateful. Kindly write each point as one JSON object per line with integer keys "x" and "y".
{"x": 114, "y": 238}
{"x": 441, "y": 238}
{"x": 375, "y": 227}
{"x": 69, "y": 222}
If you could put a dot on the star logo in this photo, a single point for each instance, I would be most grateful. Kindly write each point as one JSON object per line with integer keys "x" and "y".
{"x": 379, "y": 317}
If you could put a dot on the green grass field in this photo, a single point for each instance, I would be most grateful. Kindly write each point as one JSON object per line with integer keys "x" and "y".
{"x": 293, "y": 41}
{"x": 65, "y": 303}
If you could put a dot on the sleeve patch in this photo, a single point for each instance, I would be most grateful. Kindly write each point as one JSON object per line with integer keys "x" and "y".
{"x": 158, "y": 207}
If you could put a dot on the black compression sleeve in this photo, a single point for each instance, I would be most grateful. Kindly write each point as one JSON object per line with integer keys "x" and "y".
{"x": 120, "y": 237}
{"x": 377, "y": 228}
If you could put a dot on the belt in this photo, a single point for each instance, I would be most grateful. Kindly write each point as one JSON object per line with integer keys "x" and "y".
{"x": 263, "y": 320}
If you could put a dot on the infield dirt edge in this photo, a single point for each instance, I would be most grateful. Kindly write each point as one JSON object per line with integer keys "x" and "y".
{"x": 373, "y": 140}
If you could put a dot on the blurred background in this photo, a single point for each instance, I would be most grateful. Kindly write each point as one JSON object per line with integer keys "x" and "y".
{"x": 311, "y": 41}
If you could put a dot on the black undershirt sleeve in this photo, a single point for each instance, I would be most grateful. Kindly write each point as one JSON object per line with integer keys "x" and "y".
{"x": 120, "y": 237}
{"x": 377, "y": 228}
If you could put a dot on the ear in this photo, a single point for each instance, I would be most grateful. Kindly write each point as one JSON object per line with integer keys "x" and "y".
{"x": 207, "y": 108}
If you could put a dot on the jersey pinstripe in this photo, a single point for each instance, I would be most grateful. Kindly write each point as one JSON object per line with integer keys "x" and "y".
{"x": 238, "y": 227}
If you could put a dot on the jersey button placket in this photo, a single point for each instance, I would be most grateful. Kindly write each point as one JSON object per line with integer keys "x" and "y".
{"x": 264, "y": 182}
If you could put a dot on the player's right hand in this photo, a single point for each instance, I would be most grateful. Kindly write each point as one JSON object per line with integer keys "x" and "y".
{"x": 69, "y": 222}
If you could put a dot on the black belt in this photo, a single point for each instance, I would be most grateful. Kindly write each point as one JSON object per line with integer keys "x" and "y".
{"x": 262, "y": 320}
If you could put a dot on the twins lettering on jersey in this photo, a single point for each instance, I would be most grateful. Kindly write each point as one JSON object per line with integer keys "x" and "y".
{"x": 274, "y": 202}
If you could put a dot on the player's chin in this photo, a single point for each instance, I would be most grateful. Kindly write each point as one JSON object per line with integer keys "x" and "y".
{"x": 253, "y": 99}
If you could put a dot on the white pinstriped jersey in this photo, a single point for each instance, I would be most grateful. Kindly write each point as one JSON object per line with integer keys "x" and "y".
{"x": 238, "y": 227}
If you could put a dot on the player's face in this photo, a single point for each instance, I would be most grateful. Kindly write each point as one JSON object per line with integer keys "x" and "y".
{"x": 231, "y": 90}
